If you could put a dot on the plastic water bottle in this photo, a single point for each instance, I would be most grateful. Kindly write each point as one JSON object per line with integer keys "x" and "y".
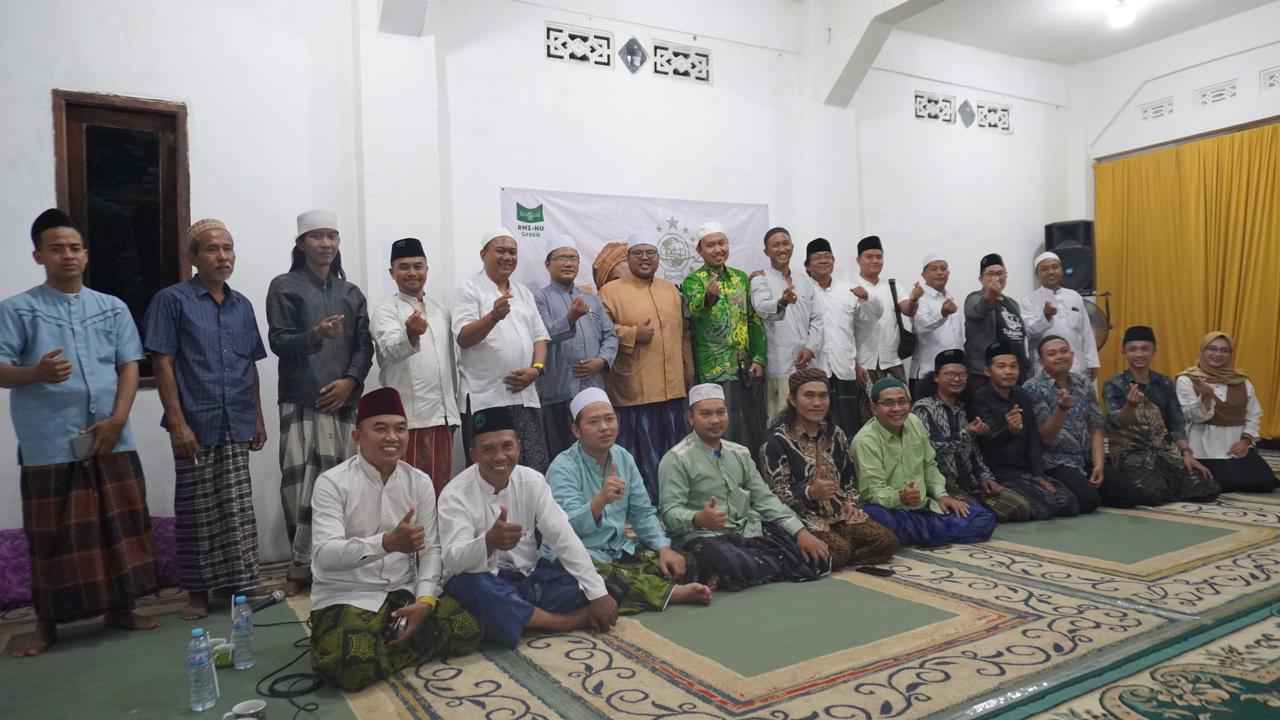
{"x": 200, "y": 677}
{"x": 242, "y": 634}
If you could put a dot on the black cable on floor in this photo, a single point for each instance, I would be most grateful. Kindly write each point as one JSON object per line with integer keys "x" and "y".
{"x": 293, "y": 685}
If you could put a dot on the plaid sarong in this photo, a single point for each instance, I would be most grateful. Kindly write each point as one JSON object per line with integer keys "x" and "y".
{"x": 216, "y": 533}
{"x": 431, "y": 451}
{"x": 311, "y": 442}
{"x": 349, "y": 651}
{"x": 646, "y": 588}
{"x": 89, "y": 535}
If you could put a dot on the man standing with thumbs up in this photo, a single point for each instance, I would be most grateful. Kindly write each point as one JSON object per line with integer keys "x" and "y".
{"x": 70, "y": 357}
{"x": 792, "y": 324}
{"x": 653, "y": 366}
{"x": 415, "y": 356}
{"x": 582, "y": 347}
{"x": 376, "y": 559}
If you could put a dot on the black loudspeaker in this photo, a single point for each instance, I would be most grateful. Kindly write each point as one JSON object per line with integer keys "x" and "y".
{"x": 1072, "y": 240}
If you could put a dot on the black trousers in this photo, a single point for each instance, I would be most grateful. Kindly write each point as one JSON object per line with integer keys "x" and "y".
{"x": 1078, "y": 483}
{"x": 1247, "y": 474}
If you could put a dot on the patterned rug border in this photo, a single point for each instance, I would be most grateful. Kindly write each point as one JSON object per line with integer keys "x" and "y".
{"x": 711, "y": 686}
{"x": 620, "y": 687}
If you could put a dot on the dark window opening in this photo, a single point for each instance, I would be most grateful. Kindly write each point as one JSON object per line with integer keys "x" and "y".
{"x": 122, "y": 175}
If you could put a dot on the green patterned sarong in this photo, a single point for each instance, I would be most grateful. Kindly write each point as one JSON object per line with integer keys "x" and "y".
{"x": 648, "y": 589}
{"x": 348, "y": 650}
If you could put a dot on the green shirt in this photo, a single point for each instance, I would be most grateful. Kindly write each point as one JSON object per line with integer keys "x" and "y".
{"x": 729, "y": 334}
{"x": 691, "y": 473}
{"x": 887, "y": 463}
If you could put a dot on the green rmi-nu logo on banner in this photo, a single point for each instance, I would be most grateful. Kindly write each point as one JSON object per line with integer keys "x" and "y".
{"x": 528, "y": 215}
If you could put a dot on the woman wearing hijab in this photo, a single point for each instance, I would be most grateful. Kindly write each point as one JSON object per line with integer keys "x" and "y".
{"x": 1223, "y": 417}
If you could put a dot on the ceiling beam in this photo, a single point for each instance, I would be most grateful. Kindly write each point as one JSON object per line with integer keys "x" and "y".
{"x": 858, "y": 31}
{"x": 403, "y": 17}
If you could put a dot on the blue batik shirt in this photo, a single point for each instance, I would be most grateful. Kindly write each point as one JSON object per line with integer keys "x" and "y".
{"x": 97, "y": 335}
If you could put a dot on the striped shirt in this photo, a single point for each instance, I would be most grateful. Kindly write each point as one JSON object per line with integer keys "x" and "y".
{"x": 214, "y": 347}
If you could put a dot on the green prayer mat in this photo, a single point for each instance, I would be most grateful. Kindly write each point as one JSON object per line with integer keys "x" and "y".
{"x": 1115, "y": 537}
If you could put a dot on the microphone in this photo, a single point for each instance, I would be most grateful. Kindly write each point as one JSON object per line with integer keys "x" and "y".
{"x": 267, "y": 601}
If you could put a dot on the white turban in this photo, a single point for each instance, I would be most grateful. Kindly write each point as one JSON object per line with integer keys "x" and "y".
{"x": 317, "y": 220}
{"x": 590, "y": 396}
{"x": 705, "y": 391}
{"x": 708, "y": 228}
{"x": 1045, "y": 256}
{"x": 932, "y": 257}
{"x": 495, "y": 234}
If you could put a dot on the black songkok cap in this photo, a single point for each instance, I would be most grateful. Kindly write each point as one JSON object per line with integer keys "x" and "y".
{"x": 953, "y": 356}
{"x": 989, "y": 260}
{"x": 51, "y": 218}
{"x": 1138, "y": 333}
{"x": 998, "y": 348}
{"x": 491, "y": 420}
{"x": 406, "y": 247}
{"x": 870, "y": 242}
{"x": 816, "y": 245}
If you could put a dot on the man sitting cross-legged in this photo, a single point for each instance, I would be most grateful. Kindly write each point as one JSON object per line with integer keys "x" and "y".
{"x": 376, "y": 559}
{"x": 953, "y": 434}
{"x": 1011, "y": 442}
{"x": 597, "y": 483}
{"x": 494, "y": 516}
{"x": 899, "y": 477}
{"x": 806, "y": 460}
{"x": 719, "y": 510}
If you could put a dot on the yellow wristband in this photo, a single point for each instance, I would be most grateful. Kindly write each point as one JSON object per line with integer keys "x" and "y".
{"x": 427, "y": 600}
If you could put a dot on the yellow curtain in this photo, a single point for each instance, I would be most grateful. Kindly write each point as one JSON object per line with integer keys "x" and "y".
{"x": 1188, "y": 241}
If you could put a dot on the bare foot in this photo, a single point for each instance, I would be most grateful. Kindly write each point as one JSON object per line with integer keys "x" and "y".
{"x": 691, "y": 594}
{"x": 197, "y": 606}
{"x": 130, "y": 620}
{"x": 35, "y": 642}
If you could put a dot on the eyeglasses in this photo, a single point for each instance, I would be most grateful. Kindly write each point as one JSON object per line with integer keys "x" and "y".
{"x": 564, "y": 258}
{"x": 900, "y": 402}
{"x": 643, "y": 253}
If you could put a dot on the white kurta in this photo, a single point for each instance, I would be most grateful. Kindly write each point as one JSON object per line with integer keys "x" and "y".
{"x": 1071, "y": 322}
{"x": 422, "y": 373}
{"x": 797, "y": 326}
{"x": 469, "y": 507}
{"x": 509, "y": 346}
{"x": 351, "y": 509}
{"x": 839, "y": 309}
{"x": 935, "y": 332}
{"x": 877, "y": 331}
{"x": 1211, "y": 442}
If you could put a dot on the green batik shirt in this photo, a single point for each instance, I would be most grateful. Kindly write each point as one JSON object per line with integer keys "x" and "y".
{"x": 729, "y": 334}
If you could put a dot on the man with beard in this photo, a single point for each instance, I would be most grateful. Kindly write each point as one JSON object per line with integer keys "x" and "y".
{"x": 934, "y": 320}
{"x": 991, "y": 316}
{"x": 653, "y": 365}
{"x": 1053, "y": 309}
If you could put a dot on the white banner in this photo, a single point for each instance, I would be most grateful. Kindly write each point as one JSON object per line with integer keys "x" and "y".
{"x": 546, "y": 219}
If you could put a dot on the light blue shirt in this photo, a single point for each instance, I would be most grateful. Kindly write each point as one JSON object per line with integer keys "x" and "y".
{"x": 575, "y": 477}
{"x": 97, "y": 335}
{"x": 592, "y": 336}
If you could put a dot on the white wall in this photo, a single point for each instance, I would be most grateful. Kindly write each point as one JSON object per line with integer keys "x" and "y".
{"x": 930, "y": 186}
{"x": 269, "y": 89}
{"x": 302, "y": 103}
{"x": 1107, "y": 94}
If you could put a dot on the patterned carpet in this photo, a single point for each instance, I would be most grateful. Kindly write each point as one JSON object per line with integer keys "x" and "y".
{"x": 1235, "y": 676}
{"x": 974, "y": 630}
